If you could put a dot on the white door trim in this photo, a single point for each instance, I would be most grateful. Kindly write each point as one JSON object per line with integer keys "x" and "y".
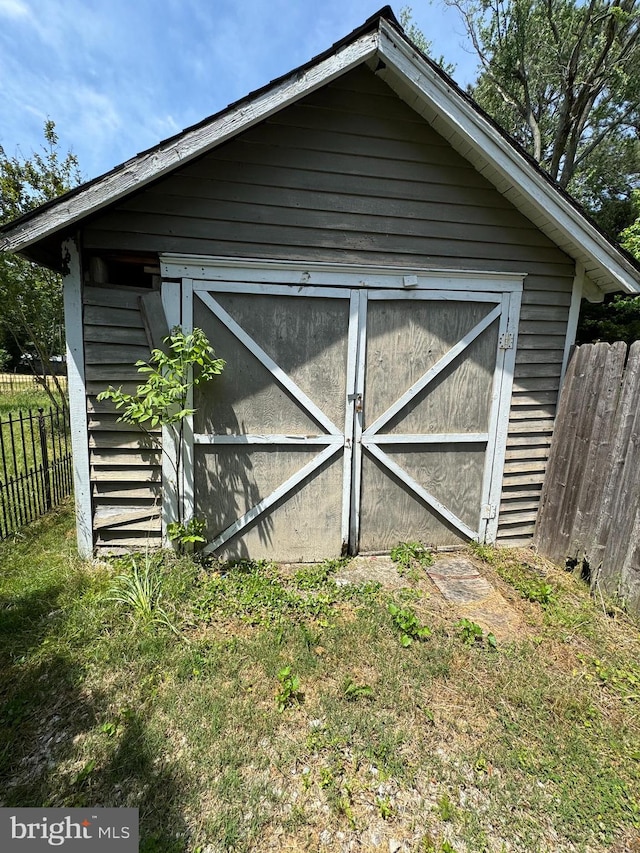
{"x": 254, "y": 271}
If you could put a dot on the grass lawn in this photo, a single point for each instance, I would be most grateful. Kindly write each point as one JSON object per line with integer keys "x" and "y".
{"x": 23, "y": 399}
{"x": 264, "y": 708}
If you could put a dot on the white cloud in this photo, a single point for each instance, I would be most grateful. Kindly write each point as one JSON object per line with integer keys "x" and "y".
{"x": 119, "y": 77}
{"x": 14, "y": 9}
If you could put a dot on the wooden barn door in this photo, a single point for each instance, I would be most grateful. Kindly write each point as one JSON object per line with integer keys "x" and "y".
{"x": 432, "y": 379}
{"x": 271, "y": 459}
{"x": 348, "y": 418}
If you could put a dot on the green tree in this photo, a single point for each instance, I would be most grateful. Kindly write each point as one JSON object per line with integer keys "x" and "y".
{"x": 419, "y": 39}
{"x": 630, "y": 237}
{"x": 563, "y": 77}
{"x": 186, "y": 361}
{"x": 32, "y": 317}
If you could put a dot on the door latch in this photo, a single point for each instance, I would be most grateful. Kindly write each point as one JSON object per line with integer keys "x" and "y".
{"x": 358, "y": 402}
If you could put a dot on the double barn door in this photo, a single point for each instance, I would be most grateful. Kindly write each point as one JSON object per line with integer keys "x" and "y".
{"x": 352, "y": 413}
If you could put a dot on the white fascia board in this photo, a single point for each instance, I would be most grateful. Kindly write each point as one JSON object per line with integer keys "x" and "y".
{"x": 496, "y": 151}
{"x": 148, "y": 167}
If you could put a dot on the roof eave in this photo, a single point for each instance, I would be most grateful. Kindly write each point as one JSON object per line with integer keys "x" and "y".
{"x": 425, "y": 87}
{"x": 452, "y": 115}
{"x": 151, "y": 165}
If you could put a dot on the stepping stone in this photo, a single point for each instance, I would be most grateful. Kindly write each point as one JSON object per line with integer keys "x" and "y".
{"x": 380, "y": 570}
{"x": 459, "y": 580}
{"x": 474, "y": 598}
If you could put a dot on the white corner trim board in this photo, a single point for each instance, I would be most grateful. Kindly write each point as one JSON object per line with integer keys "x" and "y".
{"x": 171, "y": 302}
{"x": 72, "y": 291}
{"x": 574, "y": 315}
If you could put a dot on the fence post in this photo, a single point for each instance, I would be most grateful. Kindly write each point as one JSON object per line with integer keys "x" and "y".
{"x": 45, "y": 460}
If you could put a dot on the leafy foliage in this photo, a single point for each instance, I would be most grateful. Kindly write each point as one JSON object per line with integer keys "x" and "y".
{"x": 187, "y": 361}
{"x": 352, "y": 691}
{"x": 407, "y": 554}
{"x": 406, "y": 623}
{"x": 289, "y": 691}
{"x": 139, "y": 589}
{"x": 563, "y": 78}
{"x": 32, "y": 317}
{"x": 162, "y": 399}
{"x": 472, "y": 634}
{"x": 420, "y": 40}
{"x": 630, "y": 236}
{"x": 189, "y": 533}
{"x": 615, "y": 319}
{"x": 253, "y": 591}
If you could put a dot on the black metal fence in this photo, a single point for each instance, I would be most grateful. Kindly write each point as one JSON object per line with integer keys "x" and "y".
{"x": 35, "y": 465}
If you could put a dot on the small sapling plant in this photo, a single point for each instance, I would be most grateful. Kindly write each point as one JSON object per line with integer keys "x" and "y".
{"x": 472, "y": 634}
{"x": 385, "y": 807}
{"x": 163, "y": 400}
{"x": 352, "y": 691}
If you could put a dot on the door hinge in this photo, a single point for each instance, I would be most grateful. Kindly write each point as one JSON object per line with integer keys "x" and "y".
{"x": 506, "y": 341}
{"x": 488, "y": 511}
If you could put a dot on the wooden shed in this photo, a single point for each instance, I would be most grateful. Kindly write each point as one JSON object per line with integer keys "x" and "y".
{"x": 393, "y": 283}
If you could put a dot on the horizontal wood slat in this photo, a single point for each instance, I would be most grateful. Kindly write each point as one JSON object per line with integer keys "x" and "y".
{"x": 124, "y": 462}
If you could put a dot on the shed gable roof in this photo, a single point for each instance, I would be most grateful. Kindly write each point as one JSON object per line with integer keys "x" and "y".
{"x": 381, "y": 43}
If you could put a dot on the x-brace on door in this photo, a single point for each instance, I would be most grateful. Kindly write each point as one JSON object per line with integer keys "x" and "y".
{"x": 348, "y": 418}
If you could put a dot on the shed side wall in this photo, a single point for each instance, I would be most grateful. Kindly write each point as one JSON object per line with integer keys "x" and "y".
{"x": 125, "y": 472}
{"x": 351, "y": 174}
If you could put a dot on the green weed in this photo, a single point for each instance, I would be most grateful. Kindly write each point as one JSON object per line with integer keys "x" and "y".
{"x": 289, "y": 691}
{"x": 384, "y": 807}
{"x": 406, "y": 623}
{"x": 446, "y": 808}
{"x": 469, "y": 632}
{"x": 254, "y": 592}
{"x": 472, "y": 634}
{"x": 352, "y": 691}
{"x": 139, "y": 590}
{"x": 410, "y": 557}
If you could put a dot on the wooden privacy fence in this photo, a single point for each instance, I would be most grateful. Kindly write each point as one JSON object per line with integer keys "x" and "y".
{"x": 35, "y": 466}
{"x": 590, "y": 507}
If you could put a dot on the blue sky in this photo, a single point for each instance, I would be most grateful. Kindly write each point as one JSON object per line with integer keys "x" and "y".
{"x": 117, "y": 76}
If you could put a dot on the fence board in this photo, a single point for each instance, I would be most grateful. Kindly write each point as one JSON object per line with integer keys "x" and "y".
{"x": 590, "y": 507}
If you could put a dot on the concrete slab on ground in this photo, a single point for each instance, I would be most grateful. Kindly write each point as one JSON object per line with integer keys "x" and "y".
{"x": 461, "y": 584}
{"x": 380, "y": 570}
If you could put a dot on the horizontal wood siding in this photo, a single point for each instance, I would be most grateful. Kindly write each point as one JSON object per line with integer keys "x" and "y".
{"x": 125, "y": 468}
{"x": 351, "y": 174}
